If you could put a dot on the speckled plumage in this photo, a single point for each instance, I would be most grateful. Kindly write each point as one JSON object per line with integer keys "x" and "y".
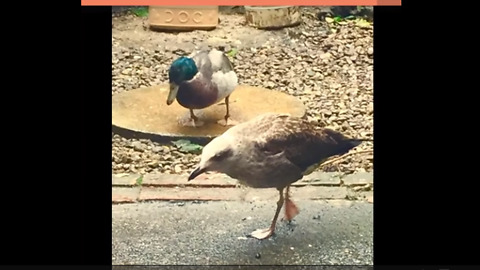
{"x": 272, "y": 151}
{"x": 275, "y": 150}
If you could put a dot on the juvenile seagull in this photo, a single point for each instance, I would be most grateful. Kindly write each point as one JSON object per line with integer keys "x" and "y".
{"x": 201, "y": 80}
{"x": 272, "y": 151}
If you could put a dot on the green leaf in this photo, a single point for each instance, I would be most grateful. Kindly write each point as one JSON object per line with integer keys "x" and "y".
{"x": 187, "y": 147}
{"x": 139, "y": 180}
{"x": 179, "y": 143}
{"x": 232, "y": 52}
{"x": 337, "y": 19}
{"x": 140, "y": 11}
{"x": 363, "y": 23}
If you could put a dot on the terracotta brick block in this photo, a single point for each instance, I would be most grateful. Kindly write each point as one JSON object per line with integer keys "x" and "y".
{"x": 188, "y": 194}
{"x": 125, "y": 195}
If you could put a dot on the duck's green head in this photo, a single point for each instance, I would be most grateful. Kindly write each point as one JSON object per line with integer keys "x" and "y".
{"x": 182, "y": 69}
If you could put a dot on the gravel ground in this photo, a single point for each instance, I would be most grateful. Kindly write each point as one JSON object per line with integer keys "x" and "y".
{"x": 329, "y": 68}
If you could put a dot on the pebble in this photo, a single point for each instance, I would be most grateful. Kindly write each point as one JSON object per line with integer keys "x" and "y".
{"x": 370, "y": 51}
{"x": 138, "y": 146}
{"x": 178, "y": 169}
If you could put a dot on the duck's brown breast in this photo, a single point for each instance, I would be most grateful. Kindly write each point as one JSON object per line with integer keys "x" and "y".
{"x": 197, "y": 94}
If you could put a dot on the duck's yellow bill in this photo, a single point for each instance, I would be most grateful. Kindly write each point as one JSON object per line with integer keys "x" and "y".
{"x": 172, "y": 94}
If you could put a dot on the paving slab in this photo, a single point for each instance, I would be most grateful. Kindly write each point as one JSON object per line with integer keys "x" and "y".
{"x": 213, "y": 233}
{"x": 358, "y": 179}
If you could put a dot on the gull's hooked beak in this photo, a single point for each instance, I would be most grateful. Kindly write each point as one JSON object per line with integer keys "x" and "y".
{"x": 172, "y": 94}
{"x": 196, "y": 173}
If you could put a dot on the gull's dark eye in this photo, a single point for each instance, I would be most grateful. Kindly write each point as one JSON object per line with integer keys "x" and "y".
{"x": 222, "y": 155}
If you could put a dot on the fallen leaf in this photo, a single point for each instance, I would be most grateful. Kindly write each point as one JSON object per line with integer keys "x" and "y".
{"x": 363, "y": 23}
{"x": 188, "y": 147}
{"x": 232, "y": 52}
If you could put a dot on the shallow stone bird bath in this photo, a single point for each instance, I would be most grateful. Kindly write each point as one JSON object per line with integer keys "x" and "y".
{"x": 144, "y": 113}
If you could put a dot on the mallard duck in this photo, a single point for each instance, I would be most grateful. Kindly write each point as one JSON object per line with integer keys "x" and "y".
{"x": 272, "y": 151}
{"x": 201, "y": 80}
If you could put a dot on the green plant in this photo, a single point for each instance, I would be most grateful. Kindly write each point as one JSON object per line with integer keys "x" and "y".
{"x": 139, "y": 180}
{"x": 354, "y": 14}
{"x": 140, "y": 11}
{"x": 232, "y": 52}
{"x": 338, "y": 20}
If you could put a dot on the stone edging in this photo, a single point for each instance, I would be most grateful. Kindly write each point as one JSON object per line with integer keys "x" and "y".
{"x": 131, "y": 188}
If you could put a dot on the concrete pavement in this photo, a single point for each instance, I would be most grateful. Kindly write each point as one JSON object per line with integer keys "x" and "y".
{"x": 213, "y": 233}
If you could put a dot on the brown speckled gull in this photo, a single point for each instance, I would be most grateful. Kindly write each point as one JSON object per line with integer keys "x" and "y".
{"x": 272, "y": 151}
